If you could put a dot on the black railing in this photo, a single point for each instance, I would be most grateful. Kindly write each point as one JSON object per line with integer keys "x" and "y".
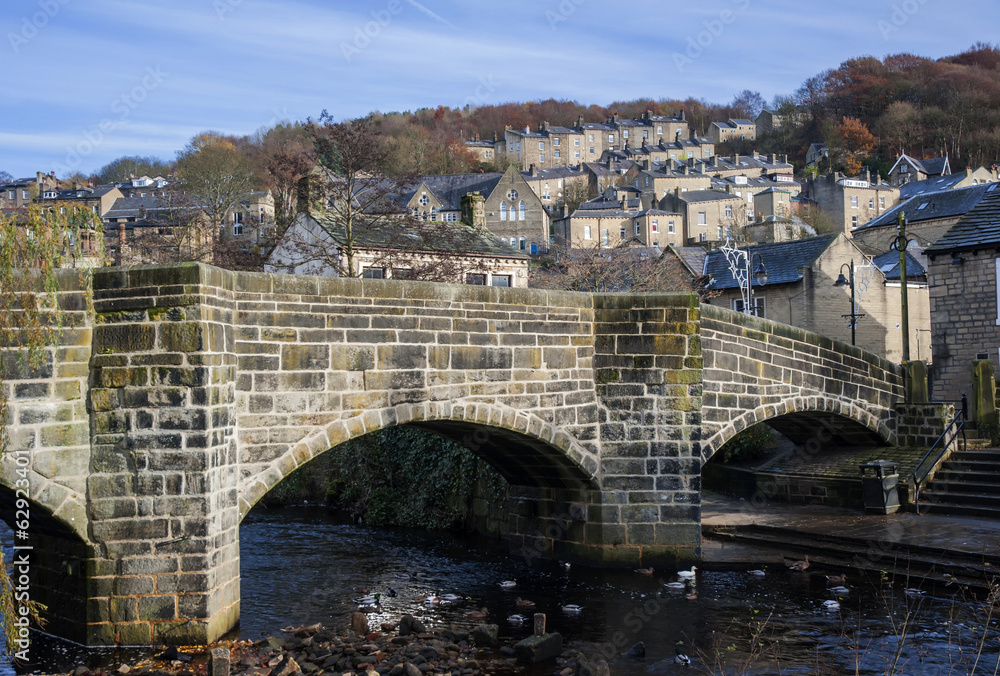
{"x": 923, "y": 468}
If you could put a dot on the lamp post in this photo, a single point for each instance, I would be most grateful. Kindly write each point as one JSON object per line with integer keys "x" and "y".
{"x": 849, "y": 280}
{"x": 741, "y": 267}
{"x": 900, "y": 244}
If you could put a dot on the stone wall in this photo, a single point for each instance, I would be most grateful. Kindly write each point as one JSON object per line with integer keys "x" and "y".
{"x": 757, "y": 370}
{"x": 964, "y": 320}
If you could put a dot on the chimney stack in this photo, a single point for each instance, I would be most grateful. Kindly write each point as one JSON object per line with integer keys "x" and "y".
{"x": 579, "y": 122}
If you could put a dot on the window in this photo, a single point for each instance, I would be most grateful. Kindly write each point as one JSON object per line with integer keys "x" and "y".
{"x": 659, "y": 130}
{"x": 702, "y": 237}
{"x": 718, "y": 234}
{"x": 758, "y": 305}
{"x": 871, "y": 202}
{"x": 605, "y": 237}
{"x": 591, "y": 150}
{"x": 555, "y": 141}
{"x": 729, "y": 211}
{"x": 24, "y": 194}
{"x": 854, "y": 202}
{"x": 522, "y": 244}
{"x": 647, "y": 181}
{"x": 13, "y": 194}
{"x": 541, "y": 145}
{"x": 142, "y": 194}
{"x": 645, "y": 133}
{"x": 520, "y": 211}
{"x": 881, "y": 203}
{"x": 587, "y": 234}
{"x": 374, "y": 273}
{"x": 656, "y": 226}
{"x": 556, "y": 154}
{"x": 512, "y": 195}
{"x": 476, "y": 279}
{"x": 590, "y": 138}
{"x": 401, "y": 273}
{"x": 637, "y": 228}
{"x": 702, "y": 220}
{"x": 503, "y": 211}
{"x": 854, "y": 221}
{"x": 238, "y": 217}
{"x": 576, "y": 154}
{"x": 621, "y": 234}
{"x": 424, "y": 199}
{"x": 541, "y": 159}
{"x": 625, "y": 133}
{"x": 500, "y": 280}
{"x": 611, "y": 138}
{"x": 576, "y": 142}
{"x": 62, "y": 210}
{"x": 903, "y": 168}
{"x": 670, "y": 227}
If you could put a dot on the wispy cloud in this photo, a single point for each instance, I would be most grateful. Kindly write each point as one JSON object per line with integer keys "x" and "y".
{"x": 436, "y": 17}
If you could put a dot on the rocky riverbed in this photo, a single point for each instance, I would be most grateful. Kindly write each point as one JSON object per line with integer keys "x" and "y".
{"x": 404, "y": 650}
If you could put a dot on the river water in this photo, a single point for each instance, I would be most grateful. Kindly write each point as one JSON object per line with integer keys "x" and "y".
{"x": 306, "y": 565}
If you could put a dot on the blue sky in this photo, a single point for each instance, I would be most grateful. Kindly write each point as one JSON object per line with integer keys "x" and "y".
{"x": 91, "y": 80}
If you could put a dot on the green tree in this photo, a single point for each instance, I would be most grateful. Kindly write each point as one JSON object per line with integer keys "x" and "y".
{"x": 124, "y": 168}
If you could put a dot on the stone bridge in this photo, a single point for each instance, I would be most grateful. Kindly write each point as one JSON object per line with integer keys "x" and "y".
{"x": 145, "y": 437}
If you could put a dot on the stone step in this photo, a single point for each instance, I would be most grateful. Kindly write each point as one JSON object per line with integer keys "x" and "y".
{"x": 965, "y": 510}
{"x": 965, "y": 499}
{"x": 963, "y": 487}
{"x": 968, "y": 465}
{"x": 830, "y": 551}
{"x": 967, "y": 476}
{"x": 985, "y": 454}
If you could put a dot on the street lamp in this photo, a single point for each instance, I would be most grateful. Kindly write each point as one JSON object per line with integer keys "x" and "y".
{"x": 842, "y": 281}
{"x": 899, "y": 244}
{"x": 741, "y": 267}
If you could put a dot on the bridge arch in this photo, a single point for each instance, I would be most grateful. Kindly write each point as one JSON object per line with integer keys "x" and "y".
{"x": 804, "y": 419}
{"x": 499, "y": 434}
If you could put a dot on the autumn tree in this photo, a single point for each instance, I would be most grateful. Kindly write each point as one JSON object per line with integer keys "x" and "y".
{"x": 851, "y": 142}
{"x": 284, "y": 155}
{"x": 213, "y": 178}
{"x": 747, "y": 104}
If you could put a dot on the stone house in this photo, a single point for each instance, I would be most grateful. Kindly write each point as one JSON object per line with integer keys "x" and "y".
{"x": 513, "y": 211}
{"x": 852, "y": 202}
{"x": 659, "y": 181}
{"x": 708, "y": 215}
{"x": 768, "y": 120}
{"x": 907, "y": 169}
{"x": 24, "y": 191}
{"x": 556, "y": 187}
{"x": 929, "y": 216}
{"x": 736, "y": 129}
{"x": 608, "y": 224}
{"x": 816, "y": 153}
{"x": 462, "y": 252}
{"x": 485, "y": 151}
{"x": 548, "y": 147}
{"x": 754, "y": 164}
{"x": 800, "y": 290}
{"x": 601, "y": 175}
{"x": 962, "y": 179}
{"x": 964, "y": 276}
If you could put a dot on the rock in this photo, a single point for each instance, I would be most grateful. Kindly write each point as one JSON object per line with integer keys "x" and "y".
{"x": 507, "y": 651}
{"x": 218, "y": 662}
{"x": 535, "y": 649}
{"x": 598, "y": 668}
{"x": 568, "y": 671}
{"x": 285, "y": 667}
{"x": 386, "y": 627}
{"x": 124, "y": 669}
{"x": 429, "y": 652}
{"x": 274, "y": 643}
{"x": 81, "y": 671}
{"x": 455, "y": 635}
{"x": 359, "y": 624}
{"x": 485, "y": 635}
{"x": 411, "y": 669}
{"x": 638, "y": 650}
{"x": 408, "y": 624}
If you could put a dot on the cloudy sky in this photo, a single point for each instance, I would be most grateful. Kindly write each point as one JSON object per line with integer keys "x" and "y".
{"x": 91, "y": 80}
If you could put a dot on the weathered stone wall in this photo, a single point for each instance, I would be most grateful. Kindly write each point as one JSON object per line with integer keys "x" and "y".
{"x": 162, "y": 487}
{"x": 964, "y": 320}
{"x": 757, "y": 370}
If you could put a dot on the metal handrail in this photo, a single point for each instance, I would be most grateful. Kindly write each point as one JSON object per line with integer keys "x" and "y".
{"x": 958, "y": 422}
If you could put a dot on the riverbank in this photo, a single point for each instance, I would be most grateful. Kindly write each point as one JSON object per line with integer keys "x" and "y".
{"x": 404, "y": 650}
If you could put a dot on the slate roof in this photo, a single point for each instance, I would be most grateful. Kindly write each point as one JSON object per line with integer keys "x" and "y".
{"x": 707, "y": 196}
{"x": 554, "y": 173}
{"x": 781, "y": 260}
{"x": 130, "y": 207}
{"x": 980, "y": 227}
{"x": 426, "y": 236}
{"x": 932, "y": 166}
{"x": 940, "y": 204}
{"x": 601, "y": 169}
{"x": 693, "y": 256}
{"x": 450, "y": 189}
{"x": 742, "y": 121}
{"x": 947, "y": 182}
{"x": 888, "y": 263}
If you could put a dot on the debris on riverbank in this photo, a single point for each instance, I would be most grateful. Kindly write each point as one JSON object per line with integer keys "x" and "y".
{"x": 404, "y": 650}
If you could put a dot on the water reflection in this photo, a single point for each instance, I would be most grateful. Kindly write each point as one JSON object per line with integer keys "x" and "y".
{"x": 305, "y": 565}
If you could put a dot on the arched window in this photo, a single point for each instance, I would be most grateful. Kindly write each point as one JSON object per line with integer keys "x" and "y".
{"x": 523, "y": 243}
{"x": 520, "y": 211}
{"x": 503, "y": 211}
